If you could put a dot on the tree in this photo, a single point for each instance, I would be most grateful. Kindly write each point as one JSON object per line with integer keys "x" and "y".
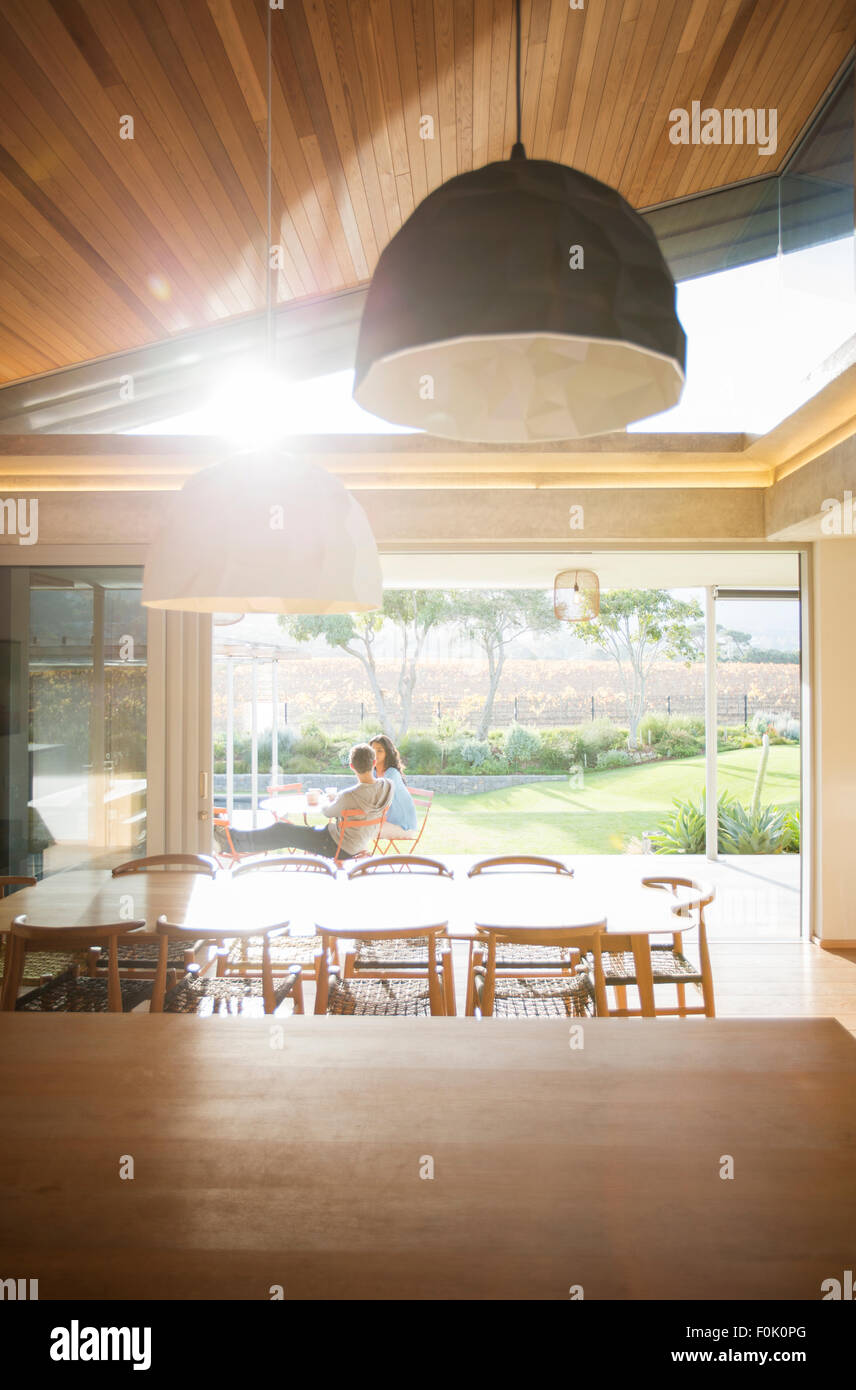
{"x": 732, "y": 645}
{"x": 493, "y": 618}
{"x": 638, "y": 627}
{"x": 353, "y": 634}
{"x": 414, "y": 612}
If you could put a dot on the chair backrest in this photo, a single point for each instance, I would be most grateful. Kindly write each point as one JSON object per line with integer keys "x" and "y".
{"x": 670, "y": 883}
{"x": 430, "y": 934}
{"x": 285, "y": 787}
{"x": 422, "y": 801}
{"x": 351, "y": 819}
{"x": 500, "y": 862}
{"x": 293, "y": 863}
{"x": 72, "y": 938}
{"x": 188, "y": 863}
{"x": 15, "y": 880}
{"x": 585, "y": 938}
{"x": 179, "y": 931}
{"x": 390, "y": 863}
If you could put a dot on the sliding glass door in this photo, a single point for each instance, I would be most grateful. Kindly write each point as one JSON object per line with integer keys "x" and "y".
{"x": 759, "y": 770}
{"x": 72, "y": 718}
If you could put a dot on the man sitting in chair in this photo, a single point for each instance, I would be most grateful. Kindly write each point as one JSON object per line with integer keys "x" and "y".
{"x": 368, "y": 796}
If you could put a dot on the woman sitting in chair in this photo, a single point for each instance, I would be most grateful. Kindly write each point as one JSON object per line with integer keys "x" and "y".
{"x": 401, "y": 819}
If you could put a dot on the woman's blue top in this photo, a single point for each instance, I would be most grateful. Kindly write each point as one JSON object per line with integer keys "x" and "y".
{"x": 401, "y": 810}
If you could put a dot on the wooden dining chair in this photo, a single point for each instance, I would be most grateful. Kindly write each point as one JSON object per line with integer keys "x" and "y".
{"x": 40, "y": 966}
{"x": 245, "y": 954}
{"x": 184, "y": 863}
{"x": 70, "y": 991}
{"x": 388, "y": 996}
{"x": 669, "y": 964}
{"x": 405, "y": 958}
{"x": 524, "y": 958}
{"x": 423, "y": 801}
{"x": 579, "y": 995}
{"x": 206, "y": 994}
{"x": 140, "y": 958}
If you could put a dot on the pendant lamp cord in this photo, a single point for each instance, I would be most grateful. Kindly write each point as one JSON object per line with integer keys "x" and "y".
{"x": 517, "y": 151}
{"x": 270, "y": 270}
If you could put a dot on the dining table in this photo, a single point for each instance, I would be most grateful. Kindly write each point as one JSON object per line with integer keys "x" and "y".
{"x": 330, "y": 1158}
{"x": 352, "y": 908}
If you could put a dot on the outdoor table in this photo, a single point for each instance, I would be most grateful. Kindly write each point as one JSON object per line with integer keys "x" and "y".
{"x": 292, "y": 1151}
{"x": 291, "y": 805}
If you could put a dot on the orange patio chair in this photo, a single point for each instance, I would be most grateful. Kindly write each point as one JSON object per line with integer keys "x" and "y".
{"x": 350, "y": 820}
{"x": 422, "y": 801}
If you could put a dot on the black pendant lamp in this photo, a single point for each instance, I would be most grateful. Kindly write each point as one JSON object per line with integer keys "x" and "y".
{"x": 524, "y": 301}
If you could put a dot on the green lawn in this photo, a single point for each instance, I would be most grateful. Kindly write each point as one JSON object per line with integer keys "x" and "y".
{"x": 600, "y": 817}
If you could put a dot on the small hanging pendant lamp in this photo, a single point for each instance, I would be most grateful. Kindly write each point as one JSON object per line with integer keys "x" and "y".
{"x": 523, "y": 301}
{"x": 576, "y": 596}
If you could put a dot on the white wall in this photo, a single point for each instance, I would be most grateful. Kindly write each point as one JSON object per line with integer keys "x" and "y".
{"x": 834, "y": 701}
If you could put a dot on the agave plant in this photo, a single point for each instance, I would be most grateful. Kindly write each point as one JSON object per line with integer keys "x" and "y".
{"x": 683, "y": 830}
{"x": 791, "y": 838}
{"x": 759, "y": 830}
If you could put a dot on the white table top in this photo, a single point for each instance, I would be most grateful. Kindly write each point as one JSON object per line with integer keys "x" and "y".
{"x": 354, "y": 907}
{"x": 410, "y": 900}
{"x": 293, "y": 804}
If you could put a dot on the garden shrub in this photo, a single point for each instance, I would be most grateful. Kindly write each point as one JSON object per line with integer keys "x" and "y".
{"x": 421, "y": 753}
{"x": 651, "y": 728}
{"x": 472, "y": 752}
{"x": 521, "y": 745}
{"x": 313, "y": 742}
{"x": 679, "y": 745}
{"x": 599, "y": 736}
{"x": 561, "y": 749}
{"x": 614, "y": 757}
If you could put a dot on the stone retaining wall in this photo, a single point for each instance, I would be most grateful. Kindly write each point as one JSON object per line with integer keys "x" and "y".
{"x": 450, "y": 786}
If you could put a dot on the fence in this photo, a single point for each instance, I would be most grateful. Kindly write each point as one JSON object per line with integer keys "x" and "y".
{"x": 522, "y": 709}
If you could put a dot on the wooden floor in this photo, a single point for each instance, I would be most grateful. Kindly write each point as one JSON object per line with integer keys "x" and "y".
{"x": 784, "y": 981}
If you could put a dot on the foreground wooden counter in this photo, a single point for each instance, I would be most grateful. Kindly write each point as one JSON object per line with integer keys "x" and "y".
{"x": 299, "y": 1165}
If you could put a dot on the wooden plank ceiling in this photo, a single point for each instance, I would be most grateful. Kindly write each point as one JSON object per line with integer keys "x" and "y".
{"x": 109, "y": 243}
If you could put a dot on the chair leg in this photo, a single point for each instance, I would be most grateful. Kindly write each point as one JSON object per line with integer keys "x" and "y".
{"x": 470, "y": 1006}
{"x": 13, "y": 973}
{"x": 297, "y": 995}
{"x": 682, "y": 999}
{"x": 449, "y": 984}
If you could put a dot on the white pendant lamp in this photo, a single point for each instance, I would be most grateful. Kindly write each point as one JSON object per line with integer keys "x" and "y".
{"x": 523, "y": 301}
{"x": 264, "y": 532}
